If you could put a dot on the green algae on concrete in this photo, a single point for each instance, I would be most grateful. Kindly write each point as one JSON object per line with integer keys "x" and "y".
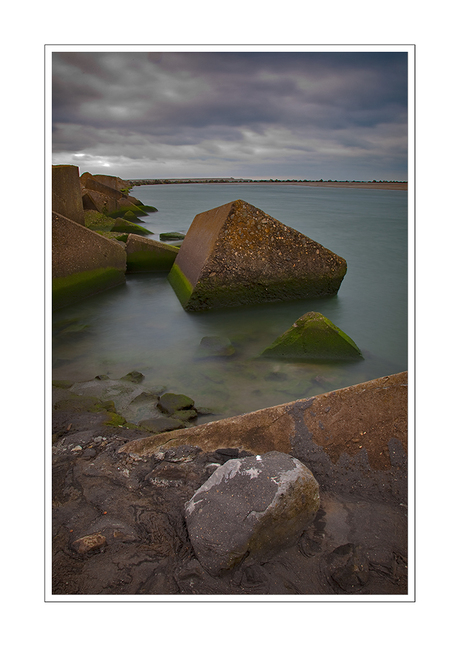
{"x": 147, "y": 255}
{"x": 97, "y": 221}
{"x": 124, "y": 226}
{"x": 172, "y": 235}
{"x": 314, "y": 336}
{"x": 181, "y": 285}
{"x": 78, "y": 286}
{"x": 137, "y": 210}
{"x": 83, "y": 262}
{"x": 238, "y": 255}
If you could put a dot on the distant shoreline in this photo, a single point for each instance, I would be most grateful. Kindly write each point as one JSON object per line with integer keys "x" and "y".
{"x": 384, "y": 185}
{"x": 393, "y": 186}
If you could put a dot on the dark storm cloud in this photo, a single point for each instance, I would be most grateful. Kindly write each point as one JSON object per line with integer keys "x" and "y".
{"x": 188, "y": 105}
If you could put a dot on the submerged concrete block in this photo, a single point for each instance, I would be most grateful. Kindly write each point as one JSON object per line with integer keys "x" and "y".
{"x": 147, "y": 255}
{"x": 83, "y": 262}
{"x": 236, "y": 255}
{"x": 314, "y": 336}
{"x": 66, "y": 192}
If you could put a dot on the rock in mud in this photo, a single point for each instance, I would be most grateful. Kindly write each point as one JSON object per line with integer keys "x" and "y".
{"x": 89, "y": 542}
{"x": 249, "y": 509}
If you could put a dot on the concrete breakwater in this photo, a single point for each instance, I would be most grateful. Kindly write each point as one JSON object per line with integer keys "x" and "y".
{"x": 84, "y": 261}
{"x": 232, "y": 255}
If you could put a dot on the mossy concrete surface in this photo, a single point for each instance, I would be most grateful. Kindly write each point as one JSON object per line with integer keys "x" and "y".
{"x": 238, "y": 255}
{"x": 181, "y": 285}
{"x": 147, "y": 255}
{"x": 172, "y": 235}
{"x": 127, "y": 227}
{"x": 75, "y": 287}
{"x": 83, "y": 262}
{"x": 314, "y": 336}
{"x": 135, "y": 210}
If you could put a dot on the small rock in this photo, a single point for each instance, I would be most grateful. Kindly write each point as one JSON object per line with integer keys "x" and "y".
{"x": 89, "y": 542}
{"x": 181, "y": 454}
{"x": 215, "y": 346}
{"x": 347, "y": 568}
{"x": 172, "y": 235}
{"x": 185, "y": 414}
{"x": 134, "y": 376}
{"x": 171, "y": 402}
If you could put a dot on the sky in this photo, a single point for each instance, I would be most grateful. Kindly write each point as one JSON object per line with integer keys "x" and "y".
{"x": 250, "y": 114}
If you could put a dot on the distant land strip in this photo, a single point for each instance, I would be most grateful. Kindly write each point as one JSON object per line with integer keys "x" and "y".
{"x": 354, "y": 184}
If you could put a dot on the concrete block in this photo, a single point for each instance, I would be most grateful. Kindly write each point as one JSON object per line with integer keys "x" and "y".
{"x": 236, "y": 255}
{"x": 83, "y": 262}
{"x": 66, "y": 193}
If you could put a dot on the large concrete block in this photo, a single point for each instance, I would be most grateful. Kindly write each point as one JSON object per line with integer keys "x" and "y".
{"x": 112, "y": 181}
{"x": 83, "y": 262}
{"x": 236, "y": 255}
{"x": 94, "y": 185}
{"x": 66, "y": 193}
{"x": 147, "y": 255}
{"x": 95, "y": 200}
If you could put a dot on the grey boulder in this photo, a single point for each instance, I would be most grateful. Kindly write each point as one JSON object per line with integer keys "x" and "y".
{"x": 249, "y": 509}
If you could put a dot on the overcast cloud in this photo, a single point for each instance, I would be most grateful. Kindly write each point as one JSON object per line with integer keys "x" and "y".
{"x": 282, "y": 115}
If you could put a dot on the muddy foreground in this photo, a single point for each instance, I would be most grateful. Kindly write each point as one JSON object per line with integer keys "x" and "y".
{"x": 119, "y": 529}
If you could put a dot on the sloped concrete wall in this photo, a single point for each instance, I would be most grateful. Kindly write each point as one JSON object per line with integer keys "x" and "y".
{"x": 66, "y": 192}
{"x": 356, "y": 437}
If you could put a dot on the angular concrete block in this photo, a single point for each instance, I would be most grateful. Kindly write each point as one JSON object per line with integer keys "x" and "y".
{"x": 236, "y": 255}
{"x": 83, "y": 262}
{"x": 147, "y": 255}
{"x": 66, "y": 192}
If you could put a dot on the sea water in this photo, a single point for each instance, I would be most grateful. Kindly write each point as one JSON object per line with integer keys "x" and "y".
{"x": 142, "y": 326}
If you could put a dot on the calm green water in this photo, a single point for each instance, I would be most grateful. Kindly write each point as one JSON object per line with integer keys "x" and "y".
{"x": 142, "y": 326}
